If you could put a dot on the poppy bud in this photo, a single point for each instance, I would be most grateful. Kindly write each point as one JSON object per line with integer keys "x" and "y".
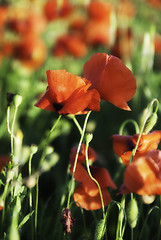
{"x": 33, "y": 149}
{"x": 148, "y": 199}
{"x": 49, "y": 150}
{"x": 88, "y": 137}
{"x": 31, "y": 182}
{"x": 100, "y": 230}
{"x": 132, "y": 213}
{"x": 67, "y": 220}
{"x": 150, "y": 123}
{"x": 17, "y": 100}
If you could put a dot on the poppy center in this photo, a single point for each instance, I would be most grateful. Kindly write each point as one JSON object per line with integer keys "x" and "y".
{"x": 58, "y": 106}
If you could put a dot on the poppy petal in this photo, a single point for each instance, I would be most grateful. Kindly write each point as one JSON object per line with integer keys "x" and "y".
{"x": 81, "y": 175}
{"x": 143, "y": 176}
{"x": 103, "y": 177}
{"x": 113, "y": 80}
{"x": 45, "y": 102}
{"x": 62, "y": 84}
{"x": 88, "y": 202}
{"x": 82, "y": 101}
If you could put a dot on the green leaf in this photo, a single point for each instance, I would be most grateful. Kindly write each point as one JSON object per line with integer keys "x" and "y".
{"x": 26, "y": 218}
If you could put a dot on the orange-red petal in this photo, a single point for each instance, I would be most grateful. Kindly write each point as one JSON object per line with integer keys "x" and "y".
{"x": 45, "y": 102}
{"x": 113, "y": 80}
{"x": 81, "y": 157}
{"x": 81, "y": 101}
{"x": 143, "y": 176}
{"x": 62, "y": 84}
{"x": 88, "y": 202}
{"x": 123, "y": 145}
{"x": 103, "y": 177}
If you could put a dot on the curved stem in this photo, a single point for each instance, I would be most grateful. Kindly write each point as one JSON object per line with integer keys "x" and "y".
{"x": 93, "y": 179}
{"x": 126, "y": 122}
{"x": 76, "y": 158}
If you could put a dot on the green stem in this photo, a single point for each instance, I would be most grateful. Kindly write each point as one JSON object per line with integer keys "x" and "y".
{"x": 77, "y": 124}
{"x": 47, "y": 141}
{"x": 126, "y": 122}
{"x": 37, "y": 179}
{"x": 12, "y": 135}
{"x": 143, "y": 125}
{"x": 30, "y": 198}
{"x": 4, "y": 200}
{"x": 76, "y": 158}
{"x": 93, "y": 179}
{"x": 36, "y": 205}
{"x": 120, "y": 218}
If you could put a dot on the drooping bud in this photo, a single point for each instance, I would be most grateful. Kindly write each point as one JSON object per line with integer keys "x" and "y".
{"x": 33, "y": 149}
{"x": 132, "y": 213}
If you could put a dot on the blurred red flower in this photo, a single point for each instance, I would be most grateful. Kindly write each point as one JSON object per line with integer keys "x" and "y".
{"x": 70, "y": 43}
{"x": 86, "y": 193}
{"x": 97, "y": 28}
{"x": 31, "y": 51}
{"x": 68, "y": 94}
{"x": 52, "y": 10}
{"x": 3, "y": 15}
{"x": 113, "y": 80}
{"x": 30, "y": 23}
{"x": 123, "y": 145}
{"x": 143, "y": 176}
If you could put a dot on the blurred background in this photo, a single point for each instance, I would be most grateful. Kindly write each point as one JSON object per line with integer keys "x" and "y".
{"x": 37, "y": 35}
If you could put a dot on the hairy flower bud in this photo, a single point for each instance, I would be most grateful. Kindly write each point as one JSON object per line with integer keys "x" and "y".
{"x": 132, "y": 213}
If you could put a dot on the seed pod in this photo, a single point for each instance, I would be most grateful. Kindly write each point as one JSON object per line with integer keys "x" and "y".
{"x": 150, "y": 123}
{"x": 132, "y": 213}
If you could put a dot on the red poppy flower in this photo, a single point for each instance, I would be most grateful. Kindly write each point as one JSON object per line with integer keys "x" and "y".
{"x": 30, "y": 23}
{"x": 31, "y": 51}
{"x": 113, "y": 80}
{"x": 100, "y": 10}
{"x": 72, "y": 44}
{"x": 53, "y": 11}
{"x": 3, "y": 15}
{"x": 123, "y": 145}
{"x": 154, "y": 3}
{"x": 143, "y": 176}
{"x": 68, "y": 94}
{"x": 96, "y": 32}
{"x": 86, "y": 193}
{"x": 123, "y": 46}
